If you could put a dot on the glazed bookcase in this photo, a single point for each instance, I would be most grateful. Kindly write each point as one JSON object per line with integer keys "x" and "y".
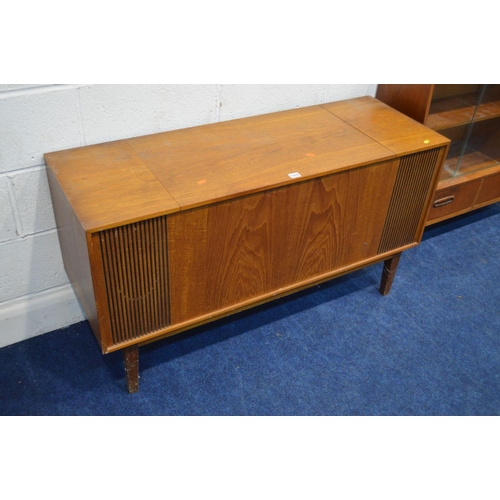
{"x": 469, "y": 115}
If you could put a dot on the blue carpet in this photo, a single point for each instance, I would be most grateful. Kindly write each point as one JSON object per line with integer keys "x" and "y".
{"x": 431, "y": 347}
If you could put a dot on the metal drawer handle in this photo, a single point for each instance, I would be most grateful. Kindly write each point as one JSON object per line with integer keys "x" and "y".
{"x": 443, "y": 201}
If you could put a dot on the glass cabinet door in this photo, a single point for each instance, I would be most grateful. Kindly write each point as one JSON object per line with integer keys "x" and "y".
{"x": 482, "y": 148}
{"x": 469, "y": 115}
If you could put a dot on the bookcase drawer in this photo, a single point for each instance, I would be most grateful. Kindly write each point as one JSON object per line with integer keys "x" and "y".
{"x": 453, "y": 200}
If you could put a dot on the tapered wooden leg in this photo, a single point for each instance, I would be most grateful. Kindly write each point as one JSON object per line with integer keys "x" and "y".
{"x": 131, "y": 362}
{"x": 388, "y": 273}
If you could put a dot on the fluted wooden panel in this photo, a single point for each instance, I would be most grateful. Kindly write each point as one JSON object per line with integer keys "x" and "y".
{"x": 408, "y": 199}
{"x": 136, "y": 276}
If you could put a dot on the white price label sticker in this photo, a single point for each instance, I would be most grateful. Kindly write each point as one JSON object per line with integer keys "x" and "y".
{"x": 294, "y": 175}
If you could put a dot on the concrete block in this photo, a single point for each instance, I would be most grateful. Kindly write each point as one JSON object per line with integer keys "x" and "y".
{"x": 7, "y": 221}
{"x": 33, "y": 201}
{"x": 111, "y": 112}
{"x": 30, "y": 265}
{"x": 248, "y": 100}
{"x": 33, "y": 124}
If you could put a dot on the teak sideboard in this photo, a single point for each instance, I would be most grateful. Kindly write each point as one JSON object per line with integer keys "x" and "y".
{"x": 165, "y": 232}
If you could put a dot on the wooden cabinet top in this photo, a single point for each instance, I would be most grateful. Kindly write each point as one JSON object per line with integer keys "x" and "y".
{"x": 124, "y": 181}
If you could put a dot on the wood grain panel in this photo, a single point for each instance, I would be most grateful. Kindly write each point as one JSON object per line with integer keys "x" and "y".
{"x": 238, "y": 250}
{"x": 220, "y": 161}
{"x": 370, "y": 191}
{"x": 108, "y": 185}
{"x": 73, "y": 241}
{"x": 384, "y": 125}
{"x": 490, "y": 190}
{"x": 411, "y": 99}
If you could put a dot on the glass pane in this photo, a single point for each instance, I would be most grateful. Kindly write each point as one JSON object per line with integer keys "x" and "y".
{"x": 451, "y": 113}
{"x": 482, "y": 143}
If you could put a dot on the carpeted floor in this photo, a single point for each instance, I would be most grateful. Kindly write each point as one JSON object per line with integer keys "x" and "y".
{"x": 431, "y": 347}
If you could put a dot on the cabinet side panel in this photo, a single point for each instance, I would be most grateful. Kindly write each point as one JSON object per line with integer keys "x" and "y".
{"x": 412, "y": 100}
{"x": 235, "y": 251}
{"x": 74, "y": 250}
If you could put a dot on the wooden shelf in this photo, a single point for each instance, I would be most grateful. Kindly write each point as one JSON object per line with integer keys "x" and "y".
{"x": 472, "y": 161}
{"x": 459, "y": 111}
{"x": 488, "y": 110}
{"x": 451, "y": 112}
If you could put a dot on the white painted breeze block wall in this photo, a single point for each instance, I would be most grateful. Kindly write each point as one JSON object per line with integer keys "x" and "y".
{"x": 35, "y": 294}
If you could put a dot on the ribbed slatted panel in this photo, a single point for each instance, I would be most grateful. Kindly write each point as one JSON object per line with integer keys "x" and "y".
{"x": 408, "y": 198}
{"x": 135, "y": 269}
